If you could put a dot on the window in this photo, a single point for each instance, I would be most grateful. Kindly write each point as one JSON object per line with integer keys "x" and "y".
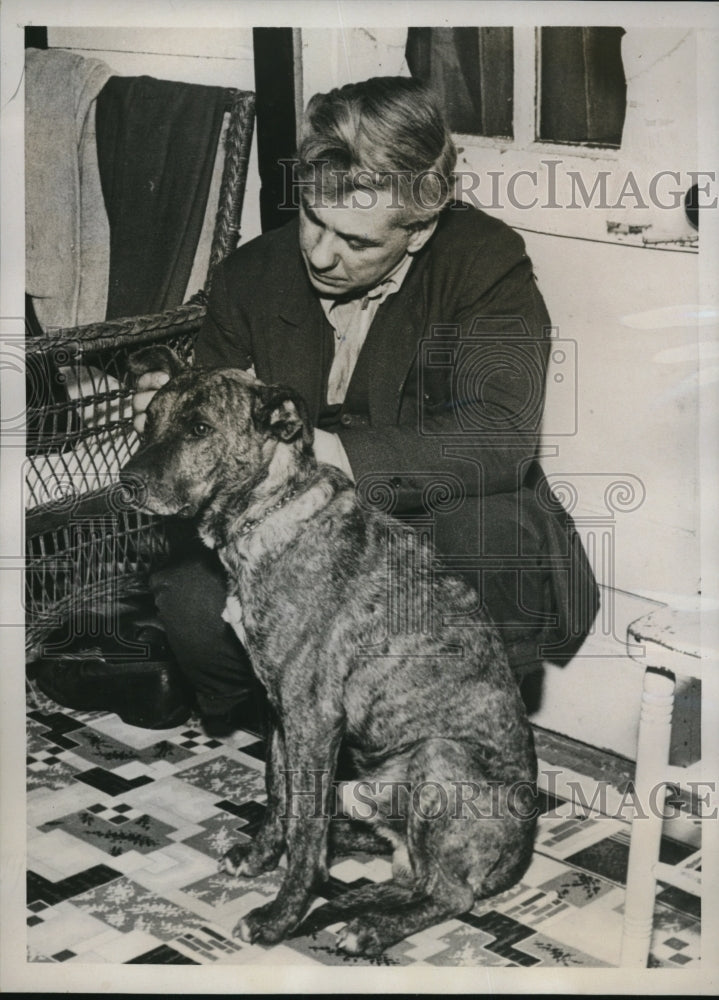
{"x": 472, "y": 71}
{"x": 582, "y": 86}
{"x": 568, "y": 84}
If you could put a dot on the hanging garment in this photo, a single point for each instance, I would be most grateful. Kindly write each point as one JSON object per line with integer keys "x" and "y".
{"x": 157, "y": 142}
{"x": 66, "y": 227}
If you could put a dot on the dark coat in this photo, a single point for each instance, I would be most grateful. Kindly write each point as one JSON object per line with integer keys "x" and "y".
{"x": 448, "y": 389}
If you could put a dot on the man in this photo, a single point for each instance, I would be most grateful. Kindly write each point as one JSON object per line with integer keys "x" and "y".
{"x": 413, "y": 327}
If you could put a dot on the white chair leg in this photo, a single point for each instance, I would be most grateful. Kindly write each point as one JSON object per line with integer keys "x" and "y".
{"x": 655, "y": 726}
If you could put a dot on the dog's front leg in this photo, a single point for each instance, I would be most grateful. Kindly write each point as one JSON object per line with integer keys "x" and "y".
{"x": 311, "y": 757}
{"x": 263, "y": 852}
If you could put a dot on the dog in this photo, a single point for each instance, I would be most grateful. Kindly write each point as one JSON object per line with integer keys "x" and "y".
{"x": 431, "y": 718}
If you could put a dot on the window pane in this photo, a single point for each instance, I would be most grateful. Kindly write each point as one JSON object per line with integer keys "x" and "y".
{"x": 582, "y": 86}
{"x": 471, "y": 71}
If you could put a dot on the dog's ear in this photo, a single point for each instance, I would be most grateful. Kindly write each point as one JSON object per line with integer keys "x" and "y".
{"x": 157, "y": 358}
{"x": 283, "y": 412}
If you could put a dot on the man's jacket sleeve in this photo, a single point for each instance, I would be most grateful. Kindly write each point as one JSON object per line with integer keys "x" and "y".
{"x": 224, "y": 339}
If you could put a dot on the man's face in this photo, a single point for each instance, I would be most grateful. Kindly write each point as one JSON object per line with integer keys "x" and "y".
{"x": 352, "y": 246}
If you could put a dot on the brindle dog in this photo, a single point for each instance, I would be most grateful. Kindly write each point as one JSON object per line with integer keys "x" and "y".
{"x": 431, "y": 718}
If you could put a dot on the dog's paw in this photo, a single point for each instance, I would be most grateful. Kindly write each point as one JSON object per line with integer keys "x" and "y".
{"x": 243, "y": 931}
{"x": 359, "y": 938}
{"x": 242, "y": 860}
{"x": 262, "y": 926}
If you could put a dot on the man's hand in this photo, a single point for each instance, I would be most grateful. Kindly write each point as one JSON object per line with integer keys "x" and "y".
{"x": 147, "y": 386}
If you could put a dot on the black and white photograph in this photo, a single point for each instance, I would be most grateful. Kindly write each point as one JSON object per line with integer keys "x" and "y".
{"x": 360, "y": 604}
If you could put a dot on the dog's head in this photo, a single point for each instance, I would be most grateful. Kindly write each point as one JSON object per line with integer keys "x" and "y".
{"x": 211, "y": 431}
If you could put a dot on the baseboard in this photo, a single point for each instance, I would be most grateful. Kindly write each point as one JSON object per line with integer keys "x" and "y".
{"x": 606, "y": 781}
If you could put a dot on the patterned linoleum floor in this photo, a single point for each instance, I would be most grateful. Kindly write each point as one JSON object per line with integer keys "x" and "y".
{"x": 126, "y": 827}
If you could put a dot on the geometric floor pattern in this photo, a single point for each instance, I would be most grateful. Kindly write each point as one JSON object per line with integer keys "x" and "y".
{"x": 126, "y": 827}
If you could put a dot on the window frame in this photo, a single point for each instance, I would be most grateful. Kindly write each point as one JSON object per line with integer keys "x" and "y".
{"x": 526, "y": 105}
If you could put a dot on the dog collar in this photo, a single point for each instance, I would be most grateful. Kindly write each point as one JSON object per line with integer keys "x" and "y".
{"x": 253, "y": 523}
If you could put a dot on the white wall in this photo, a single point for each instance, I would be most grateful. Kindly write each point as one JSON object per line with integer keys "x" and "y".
{"x": 637, "y": 396}
{"x": 331, "y": 58}
{"x": 625, "y": 312}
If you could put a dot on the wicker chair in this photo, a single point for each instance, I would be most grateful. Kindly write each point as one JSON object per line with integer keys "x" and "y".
{"x": 87, "y": 547}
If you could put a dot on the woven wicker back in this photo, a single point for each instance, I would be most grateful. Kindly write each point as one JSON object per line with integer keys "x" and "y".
{"x": 87, "y": 545}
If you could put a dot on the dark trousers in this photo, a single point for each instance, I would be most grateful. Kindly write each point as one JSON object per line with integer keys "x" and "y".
{"x": 190, "y": 594}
